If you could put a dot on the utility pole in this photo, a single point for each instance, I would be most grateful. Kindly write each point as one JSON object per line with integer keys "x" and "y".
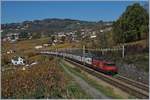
{"x": 123, "y": 42}
{"x": 83, "y": 54}
{"x": 102, "y": 52}
{"x": 123, "y": 51}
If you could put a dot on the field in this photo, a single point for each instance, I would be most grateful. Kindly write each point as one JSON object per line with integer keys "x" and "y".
{"x": 46, "y": 79}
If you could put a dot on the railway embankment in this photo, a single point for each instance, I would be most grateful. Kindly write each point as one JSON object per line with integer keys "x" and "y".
{"x": 131, "y": 71}
{"x": 94, "y": 93}
{"x": 102, "y": 87}
{"x": 129, "y": 88}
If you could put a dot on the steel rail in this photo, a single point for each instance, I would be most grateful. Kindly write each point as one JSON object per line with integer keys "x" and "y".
{"x": 133, "y": 83}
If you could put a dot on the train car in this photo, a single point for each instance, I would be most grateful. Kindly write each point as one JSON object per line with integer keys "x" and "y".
{"x": 78, "y": 58}
{"x": 87, "y": 60}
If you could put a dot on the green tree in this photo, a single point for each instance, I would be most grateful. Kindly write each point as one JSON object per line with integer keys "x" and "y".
{"x": 131, "y": 25}
{"x": 53, "y": 38}
{"x": 63, "y": 38}
{"x": 23, "y": 35}
{"x": 102, "y": 40}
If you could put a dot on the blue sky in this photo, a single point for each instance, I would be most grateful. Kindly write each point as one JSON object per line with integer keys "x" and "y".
{"x": 18, "y": 11}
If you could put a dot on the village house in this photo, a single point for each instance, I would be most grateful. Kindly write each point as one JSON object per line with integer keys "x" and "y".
{"x": 45, "y": 45}
{"x": 93, "y": 35}
{"x": 61, "y": 34}
{"x": 38, "y": 47}
{"x": 12, "y": 37}
{"x": 17, "y": 61}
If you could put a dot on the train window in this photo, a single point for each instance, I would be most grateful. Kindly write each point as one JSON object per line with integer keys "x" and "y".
{"x": 87, "y": 55}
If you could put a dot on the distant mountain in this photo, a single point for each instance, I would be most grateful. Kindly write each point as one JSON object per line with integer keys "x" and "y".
{"x": 50, "y": 26}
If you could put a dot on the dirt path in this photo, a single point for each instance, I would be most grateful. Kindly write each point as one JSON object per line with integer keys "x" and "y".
{"x": 85, "y": 86}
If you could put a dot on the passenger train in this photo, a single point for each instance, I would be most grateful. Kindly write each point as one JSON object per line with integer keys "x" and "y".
{"x": 96, "y": 63}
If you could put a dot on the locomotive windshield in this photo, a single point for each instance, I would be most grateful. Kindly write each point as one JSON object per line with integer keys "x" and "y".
{"x": 110, "y": 64}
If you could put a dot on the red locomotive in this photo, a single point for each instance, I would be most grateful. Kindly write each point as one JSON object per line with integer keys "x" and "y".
{"x": 104, "y": 66}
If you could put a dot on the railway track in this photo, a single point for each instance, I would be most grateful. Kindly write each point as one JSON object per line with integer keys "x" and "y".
{"x": 133, "y": 83}
{"x": 121, "y": 82}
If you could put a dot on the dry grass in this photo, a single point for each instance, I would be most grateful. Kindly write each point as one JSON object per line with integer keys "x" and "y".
{"x": 44, "y": 80}
{"x": 40, "y": 81}
{"x": 36, "y": 82}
